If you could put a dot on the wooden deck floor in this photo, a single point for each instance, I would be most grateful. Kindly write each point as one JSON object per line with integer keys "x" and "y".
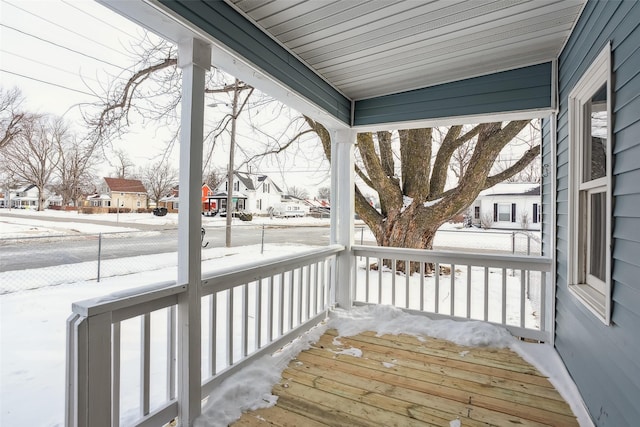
{"x": 403, "y": 381}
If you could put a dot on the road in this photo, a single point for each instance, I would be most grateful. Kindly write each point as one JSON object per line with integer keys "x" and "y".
{"x": 50, "y": 251}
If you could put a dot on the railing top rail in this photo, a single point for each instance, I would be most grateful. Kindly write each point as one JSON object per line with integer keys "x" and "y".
{"x": 127, "y": 298}
{"x": 122, "y": 300}
{"x": 524, "y": 262}
{"x": 231, "y": 276}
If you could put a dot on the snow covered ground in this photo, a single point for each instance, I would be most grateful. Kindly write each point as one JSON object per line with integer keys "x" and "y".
{"x": 32, "y": 328}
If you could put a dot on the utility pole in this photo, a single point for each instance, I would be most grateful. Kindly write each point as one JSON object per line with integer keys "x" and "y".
{"x": 234, "y": 116}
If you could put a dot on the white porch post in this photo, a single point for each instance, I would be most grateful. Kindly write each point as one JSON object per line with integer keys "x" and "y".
{"x": 343, "y": 210}
{"x": 194, "y": 57}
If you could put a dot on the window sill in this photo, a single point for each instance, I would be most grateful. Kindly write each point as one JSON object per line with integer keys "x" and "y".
{"x": 592, "y": 299}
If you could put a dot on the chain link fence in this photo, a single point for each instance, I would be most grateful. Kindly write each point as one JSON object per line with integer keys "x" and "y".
{"x": 35, "y": 262}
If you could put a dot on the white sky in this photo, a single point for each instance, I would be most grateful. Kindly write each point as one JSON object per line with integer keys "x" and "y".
{"x": 58, "y": 52}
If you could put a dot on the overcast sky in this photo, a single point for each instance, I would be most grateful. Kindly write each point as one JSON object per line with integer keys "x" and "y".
{"x": 58, "y": 52}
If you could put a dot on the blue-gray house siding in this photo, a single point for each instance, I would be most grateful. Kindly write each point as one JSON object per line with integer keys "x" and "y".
{"x": 603, "y": 360}
{"x": 527, "y": 88}
{"x": 228, "y": 26}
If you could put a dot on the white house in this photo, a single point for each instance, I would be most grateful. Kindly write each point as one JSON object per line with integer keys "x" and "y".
{"x": 25, "y": 197}
{"x": 509, "y": 205}
{"x": 254, "y": 193}
{"x": 291, "y": 206}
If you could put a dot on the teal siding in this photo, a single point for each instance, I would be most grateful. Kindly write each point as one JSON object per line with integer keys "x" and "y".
{"x": 603, "y": 359}
{"x": 225, "y": 24}
{"x": 521, "y": 89}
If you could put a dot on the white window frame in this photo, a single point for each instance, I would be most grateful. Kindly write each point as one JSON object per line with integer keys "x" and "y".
{"x": 592, "y": 292}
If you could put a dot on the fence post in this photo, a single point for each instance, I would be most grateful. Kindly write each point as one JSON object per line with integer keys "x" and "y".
{"x": 262, "y": 241}
{"x": 99, "y": 253}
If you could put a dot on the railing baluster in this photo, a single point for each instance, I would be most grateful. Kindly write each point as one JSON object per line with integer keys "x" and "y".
{"x": 379, "y": 280}
{"x": 468, "y": 291}
{"x": 523, "y": 277}
{"x": 452, "y": 281}
{"x": 258, "y": 310}
{"x": 367, "y": 270}
{"x": 421, "y": 286}
{"x": 281, "y": 306}
{"x": 115, "y": 375}
{"x": 436, "y": 273}
{"x": 394, "y": 267}
{"x": 171, "y": 352}
{"x": 213, "y": 324}
{"x": 300, "y": 287}
{"x": 407, "y": 268}
{"x": 291, "y": 304}
{"x": 270, "y": 312}
{"x": 230, "y": 327}
{"x": 504, "y": 296}
{"x": 486, "y": 294}
{"x": 309, "y": 294}
{"x": 543, "y": 302}
{"x": 145, "y": 359}
{"x": 316, "y": 309}
{"x": 245, "y": 320}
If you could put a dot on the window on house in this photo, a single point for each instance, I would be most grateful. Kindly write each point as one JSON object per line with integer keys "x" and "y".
{"x": 236, "y": 186}
{"x": 476, "y": 212}
{"x": 590, "y": 137}
{"x": 536, "y": 213}
{"x": 265, "y": 188}
{"x": 259, "y": 204}
{"x": 504, "y": 212}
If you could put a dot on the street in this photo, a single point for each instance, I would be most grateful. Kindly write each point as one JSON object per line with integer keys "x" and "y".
{"x": 50, "y": 251}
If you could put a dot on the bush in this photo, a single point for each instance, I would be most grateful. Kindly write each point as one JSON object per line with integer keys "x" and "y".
{"x": 486, "y": 221}
{"x": 245, "y": 216}
{"x": 121, "y": 210}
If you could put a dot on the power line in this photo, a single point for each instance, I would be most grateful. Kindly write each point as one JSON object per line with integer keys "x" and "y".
{"x": 46, "y": 64}
{"x": 64, "y": 28}
{"x": 61, "y": 46}
{"x": 98, "y": 19}
{"x": 48, "y": 83}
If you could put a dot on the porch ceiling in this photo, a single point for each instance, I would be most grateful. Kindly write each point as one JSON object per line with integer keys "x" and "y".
{"x": 372, "y": 48}
{"x": 380, "y": 62}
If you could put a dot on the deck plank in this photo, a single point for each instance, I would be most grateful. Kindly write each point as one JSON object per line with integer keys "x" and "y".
{"x": 404, "y": 381}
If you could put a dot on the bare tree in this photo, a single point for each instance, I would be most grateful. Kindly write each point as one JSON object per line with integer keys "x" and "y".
{"x": 76, "y": 159}
{"x": 214, "y": 177}
{"x": 414, "y": 202}
{"x": 11, "y": 115}
{"x": 158, "y": 179}
{"x": 32, "y": 156}
{"x": 299, "y": 192}
{"x": 123, "y": 166}
{"x": 324, "y": 193}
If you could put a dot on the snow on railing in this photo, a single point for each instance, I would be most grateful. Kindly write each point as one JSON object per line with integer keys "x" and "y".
{"x": 121, "y": 349}
{"x": 459, "y": 285}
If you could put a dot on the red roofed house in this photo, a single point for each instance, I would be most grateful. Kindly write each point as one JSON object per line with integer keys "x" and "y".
{"x": 125, "y": 193}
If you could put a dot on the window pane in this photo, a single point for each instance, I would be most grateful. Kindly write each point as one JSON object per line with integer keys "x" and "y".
{"x": 504, "y": 213}
{"x": 595, "y": 153}
{"x": 597, "y": 235}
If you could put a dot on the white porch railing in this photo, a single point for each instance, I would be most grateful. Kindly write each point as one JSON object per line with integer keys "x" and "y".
{"x": 508, "y": 290}
{"x": 121, "y": 350}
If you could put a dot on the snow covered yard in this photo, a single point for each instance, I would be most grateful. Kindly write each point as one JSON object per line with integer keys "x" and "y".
{"x": 32, "y": 323}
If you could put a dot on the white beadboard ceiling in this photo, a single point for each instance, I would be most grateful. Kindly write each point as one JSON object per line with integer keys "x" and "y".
{"x": 368, "y": 48}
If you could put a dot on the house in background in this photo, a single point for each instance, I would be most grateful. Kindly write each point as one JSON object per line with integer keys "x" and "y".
{"x": 25, "y": 197}
{"x": 508, "y": 205}
{"x": 171, "y": 200}
{"x": 291, "y": 206}
{"x": 254, "y": 193}
{"x": 121, "y": 193}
